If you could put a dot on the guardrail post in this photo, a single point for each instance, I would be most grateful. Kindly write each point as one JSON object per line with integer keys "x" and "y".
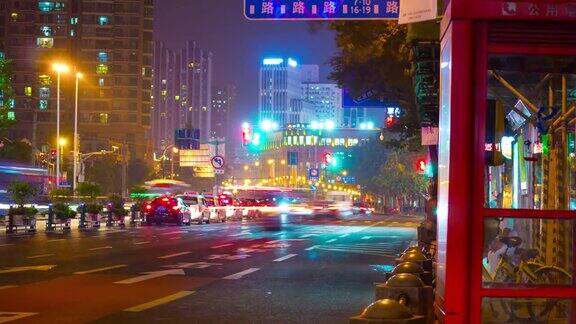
{"x": 387, "y": 311}
{"x": 133, "y": 210}
{"x": 82, "y": 208}
{"x": 10, "y": 228}
{"x": 409, "y": 290}
{"x": 109, "y": 216}
{"x": 50, "y": 223}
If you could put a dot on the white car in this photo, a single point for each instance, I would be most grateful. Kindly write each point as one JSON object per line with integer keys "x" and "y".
{"x": 199, "y": 212}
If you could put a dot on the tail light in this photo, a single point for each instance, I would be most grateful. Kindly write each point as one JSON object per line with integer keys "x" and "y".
{"x": 165, "y": 199}
{"x": 176, "y": 208}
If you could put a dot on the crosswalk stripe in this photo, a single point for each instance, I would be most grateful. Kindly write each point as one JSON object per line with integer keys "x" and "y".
{"x": 160, "y": 301}
{"x": 286, "y": 257}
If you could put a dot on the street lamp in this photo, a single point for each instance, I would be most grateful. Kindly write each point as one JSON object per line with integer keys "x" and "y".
{"x": 59, "y": 68}
{"x": 61, "y": 144}
{"x": 174, "y": 151}
{"x": 75, "y": 166}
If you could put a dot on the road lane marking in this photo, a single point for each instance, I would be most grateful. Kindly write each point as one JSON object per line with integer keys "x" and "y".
{"x": 286, "y": 257}
{"x": 9, "y": 244}
{"x": 280, "y": 233}
{"x": 307, "y": 235}
{"x": 221, "y": 246}
{"x": 367, "y": 222}
{"x": 100, "y": 269}
{"x": 159, "y": 301}
{"x": 240, "y": 234}
{"x": 344, "y": 235}
{"x": 40, "y": 256}
{"x": 151, "y": 275}
{"x": 241, "y": 274}
{"x": 173, "y": 255}
{"x": 28, "y": 268}
{"x": 100, "y": 248}
{"x": 366, "y": 237}
{"x": 140, "y": 243}
{"x": 175, "y": 238}
{"x": 6, "y": 317}
{"x": 330, "y": 241}
{"x": 311, "y": 248}
{"x": 175, "y": 232}
{"x": 7, "y": 287}
{"x": 55, "y": 240}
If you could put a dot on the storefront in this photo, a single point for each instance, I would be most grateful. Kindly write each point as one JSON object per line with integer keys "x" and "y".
{"x": 507, "y": 166}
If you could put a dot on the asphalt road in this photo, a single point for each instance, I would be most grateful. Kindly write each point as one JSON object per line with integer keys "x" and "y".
{"x": 310, "y": 271}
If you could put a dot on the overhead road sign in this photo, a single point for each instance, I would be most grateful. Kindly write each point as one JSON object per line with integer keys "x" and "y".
{"x": 321, "y": 9}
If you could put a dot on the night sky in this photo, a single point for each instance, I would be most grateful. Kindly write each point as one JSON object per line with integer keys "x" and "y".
{"x": 238, "y": 44}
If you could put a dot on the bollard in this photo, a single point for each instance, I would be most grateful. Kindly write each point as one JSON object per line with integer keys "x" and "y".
{"x": 82, "y": 209}
{"x": 411, "y": 292}
{"x": 10, "y": 228}
{"x": 418, "y": 257}
{"x": 109, "y": 216}
{"x": 133, "y": 214}
{"x": 50, "y": 222}
{"x": 414, "y": 268}
{"x": 387, "y": 311}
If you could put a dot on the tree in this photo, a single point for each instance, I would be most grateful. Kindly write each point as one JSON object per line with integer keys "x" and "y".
{"x": 366, "y": 161}
{"x": 138, "y": 193}
{"x": 22, "y": 192}
{"x": 138, "y": 172}
{"x": 398, "y": 180}
{"x": 6, "y": 94}
{"x": 106, "y": 171}
{"x": 89, "y": 189}
{"x": 374, "y": 56}
{"x": 19, "y": 151}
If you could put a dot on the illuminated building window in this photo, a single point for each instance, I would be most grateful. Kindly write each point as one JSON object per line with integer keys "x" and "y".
{"x": 11, "y": 115}
{"x": 44, "y": 80}
{"x": 14, "y": 16}
{"x": 28, "y": 91}
{"x": 46, "y": 31}
{"x": 74, "y": 21}
{"x": 45, "y": 42}
{"x": 43, "y": 104}
{"x": 103, "y": 20}
{"x": 163, "y": 93}
{"x": 101, "y": 82}
{"x": 58, "y": 6}
{"x": 103, "y": 57}
{"x": 163, "y": 81}
{"x": 103, "y": 118}
{"x": 102, "y": 69}
{"x": 44, "y": 92}
{"x": 2, "y": 55}
{"x": 45, "y": 6}
{"x": 72, "y": 32}
{"x": 11, "y": 103}
{"x": 177, "y": 98}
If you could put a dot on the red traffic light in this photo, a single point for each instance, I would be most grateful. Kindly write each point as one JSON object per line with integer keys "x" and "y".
{"x": 389, "y": 121}
{"x": 328, "y": 157}
{"x": 53, "y": 152}
{"x": 421, "y": 165}
{"x": 246, "y": 135}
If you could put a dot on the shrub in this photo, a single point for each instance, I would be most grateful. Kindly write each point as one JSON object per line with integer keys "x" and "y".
{"x": 22, "y": 192}
{"x": 89, "y": 189}
{"x": 29, "y": 212}
{"x": 94, "y": 208}
{"x": 61, "y": 195}
{"x": 62, "y": 211}
{"x": 116, "y": 205}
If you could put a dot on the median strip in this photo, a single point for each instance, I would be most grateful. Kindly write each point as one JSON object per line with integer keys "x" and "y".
{"x": 241, "y": 274}
{"x": 286, "y": 257}
{"x": 173, "y": 255}
{"x": 160, "y": 301}
{"x": 100, "y": 269}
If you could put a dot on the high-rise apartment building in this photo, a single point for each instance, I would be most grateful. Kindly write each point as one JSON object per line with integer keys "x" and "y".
{"x": 182, "y": 92}
{"x": 109, "y": 42}
{"x": 280, "y": 84}
{"x": 310, "y": 73}
{"x": 326, "y": 98}
{"x": 222, "y": 105}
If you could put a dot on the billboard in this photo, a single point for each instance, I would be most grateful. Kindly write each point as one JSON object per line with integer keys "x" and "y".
{"x": 367, "y": 99}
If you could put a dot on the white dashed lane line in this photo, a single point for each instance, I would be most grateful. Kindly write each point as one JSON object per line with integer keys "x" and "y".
{"x": 100, "y": 269}
{"x": 330, "y": 241}
{"x": 241, "y": 274}
{"x": 344, "y": 235}
{"x": 140, "y": 243}
{"x": 221, "y": 246}
{"x": 40, "y": 256}
{"x": 286, "y": 257}
{"x": 173, "y": 255}
{"x": 100, "y": 248}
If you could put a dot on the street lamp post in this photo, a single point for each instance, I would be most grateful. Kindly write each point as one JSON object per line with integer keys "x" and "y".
{"x": 174, "y": 151}
{"x": 59, "y": 68}
{"x": 75, "y": 166}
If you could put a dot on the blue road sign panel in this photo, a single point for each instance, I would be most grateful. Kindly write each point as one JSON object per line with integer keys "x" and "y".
{"x": 368, "y": 99}
{"x": 313, "y": 174}
{"x": 321, "y": 9}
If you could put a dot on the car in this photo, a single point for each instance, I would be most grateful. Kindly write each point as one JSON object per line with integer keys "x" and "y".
{"x": 167, "y": 210}
{"x": 215, "y": 213}
{"x": 362, "y": 208}
{"x": 199, "y": 212}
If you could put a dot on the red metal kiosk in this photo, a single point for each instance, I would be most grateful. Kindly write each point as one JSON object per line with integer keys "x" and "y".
{"x": 507, "y": 169}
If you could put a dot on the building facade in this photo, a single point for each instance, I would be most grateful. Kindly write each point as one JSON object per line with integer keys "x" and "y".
{"x": 326, "y": 99}
{"x": 353, "y": 117}
{"x": 182, "y": 92}
{"x": 109, "y": 42}
{"x": 222, "y": 105}
{"x": 279, "y": 84}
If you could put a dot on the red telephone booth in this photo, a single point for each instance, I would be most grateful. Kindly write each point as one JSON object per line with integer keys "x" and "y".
{"x": 507, "y": 167}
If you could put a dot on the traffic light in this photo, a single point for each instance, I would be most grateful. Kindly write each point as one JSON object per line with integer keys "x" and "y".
{"x": 246, "y": 134}
{"x": 421, "y": 165}
{"x": 328, "y": 158}
{"x": 389, "y": 121}
{"x": 53, "y": 154}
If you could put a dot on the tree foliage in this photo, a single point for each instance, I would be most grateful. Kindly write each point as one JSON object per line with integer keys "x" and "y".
{"x": 18, "y": 151}
{"x": 6, "y": 93}
{"x": 138, "y": 172}
{"x": 374, "y": 56}
{"x": 367, "y": 159}
{"x": 398, "y": 179}
{"x": 106, "y": 171}
{"x": 89, "y": 189}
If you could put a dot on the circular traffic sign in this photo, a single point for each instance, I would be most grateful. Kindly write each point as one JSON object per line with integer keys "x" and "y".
{"x": 314, "y": 173}
{"x": 217, "y": 162}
